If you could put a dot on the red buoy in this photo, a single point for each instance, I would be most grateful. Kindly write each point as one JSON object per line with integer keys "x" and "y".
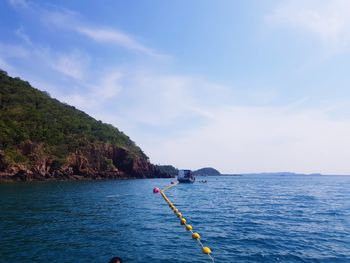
{"x": 156, "y": 190}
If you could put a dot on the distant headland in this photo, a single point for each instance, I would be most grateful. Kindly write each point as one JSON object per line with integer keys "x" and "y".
{"x": 283, "y": 174}
{"x": 207, "y": 171}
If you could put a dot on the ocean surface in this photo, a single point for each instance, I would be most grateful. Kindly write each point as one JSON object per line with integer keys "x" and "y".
{"x": 242, "y": 219}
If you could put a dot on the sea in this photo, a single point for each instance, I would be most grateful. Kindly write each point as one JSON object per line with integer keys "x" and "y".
{"x": 256, "y": 218}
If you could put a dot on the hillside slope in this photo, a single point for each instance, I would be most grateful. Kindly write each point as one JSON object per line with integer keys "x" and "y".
{"x": 42, "y": 138}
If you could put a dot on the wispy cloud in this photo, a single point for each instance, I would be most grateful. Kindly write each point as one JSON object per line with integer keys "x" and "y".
{"x": 106, "y": 87}
{"x": 20, "y": 33}
{"x": 109, "y": 85}
{"x": 326, "y": 20}
{"x": 68, "y": 74}
{"x": 169, "y": 100}
{"x": 115, "y": 37}
{"x": 73, "y": 21}
{"x": 72, "y": 65}
{"x": 150, "y": 98}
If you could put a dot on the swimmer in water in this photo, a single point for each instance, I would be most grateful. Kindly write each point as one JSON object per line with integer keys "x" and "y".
{"x": 116, "y": 260}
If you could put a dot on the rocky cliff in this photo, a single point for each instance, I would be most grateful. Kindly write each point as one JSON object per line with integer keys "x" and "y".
{"x": 44, "y": 139}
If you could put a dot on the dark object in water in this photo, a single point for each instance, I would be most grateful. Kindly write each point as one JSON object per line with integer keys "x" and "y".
{"x": 186, "y": 176}
{"x": 116, "y": 260}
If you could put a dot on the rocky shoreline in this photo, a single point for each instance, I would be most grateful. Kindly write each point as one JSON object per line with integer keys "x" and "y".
{"x": 92, "y": 162}
{"x": 24, "y": 177}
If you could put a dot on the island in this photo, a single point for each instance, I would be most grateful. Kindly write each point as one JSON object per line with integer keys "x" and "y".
{"x": 207, "y": 171}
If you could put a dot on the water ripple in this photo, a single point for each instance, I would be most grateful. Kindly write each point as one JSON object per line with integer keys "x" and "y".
{"x": 243, "y": 219}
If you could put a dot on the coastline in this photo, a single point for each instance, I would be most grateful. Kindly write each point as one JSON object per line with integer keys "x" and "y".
{"x": 29, "y": 176}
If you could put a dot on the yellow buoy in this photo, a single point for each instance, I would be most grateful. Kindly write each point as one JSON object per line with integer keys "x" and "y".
{"x": 196, "y": 235}
{"x": 206, "y": 250}
{"x": 188, "y": 227}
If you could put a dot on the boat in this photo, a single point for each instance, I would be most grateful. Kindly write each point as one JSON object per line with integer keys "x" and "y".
{"x": 186, "y": 176}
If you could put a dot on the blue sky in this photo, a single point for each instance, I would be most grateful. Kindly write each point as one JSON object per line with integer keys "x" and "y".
{"x": 243, "y": 86}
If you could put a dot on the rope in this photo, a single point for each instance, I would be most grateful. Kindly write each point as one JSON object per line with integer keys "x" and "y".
{"x": 196, "y": 236}
{"x": 168, "y": 187}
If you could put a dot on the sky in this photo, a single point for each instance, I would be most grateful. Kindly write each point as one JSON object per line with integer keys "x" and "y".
{"x": 241, "y": 86}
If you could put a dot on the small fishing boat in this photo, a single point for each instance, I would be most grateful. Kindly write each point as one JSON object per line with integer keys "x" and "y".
{"x": 185, "y": 176}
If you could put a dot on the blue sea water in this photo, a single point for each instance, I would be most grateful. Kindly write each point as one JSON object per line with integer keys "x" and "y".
{"x": 242, "y": 219}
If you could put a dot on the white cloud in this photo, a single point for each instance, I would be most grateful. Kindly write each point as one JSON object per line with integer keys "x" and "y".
{"x": 73, "y": 65}
{"x": 326, "y": 20}
{"x": 86, "y": 90}
{"x": 161, "y": 99}
{"x": 90, "y": 96}
{"x": 146, "y": 97}
{"x": 112, "y": 36}
{"x": 248, "y": 139}
{"x": 109, "y": 85}
{"x": 70, "y": 20}
{"x": 20, "y": 33}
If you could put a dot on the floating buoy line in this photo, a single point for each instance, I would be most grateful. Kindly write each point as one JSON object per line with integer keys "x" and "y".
{"x": 183, "y": 221}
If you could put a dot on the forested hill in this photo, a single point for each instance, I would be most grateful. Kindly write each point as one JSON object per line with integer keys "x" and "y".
{"x": 207, "y": 171}
{"x": 42, "y": 138}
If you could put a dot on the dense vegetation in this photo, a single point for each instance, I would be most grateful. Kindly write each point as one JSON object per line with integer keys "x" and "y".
{"x": 35, "y": 127}
{"x": 168, "y": 169}
{"x": 29, "y": 114}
